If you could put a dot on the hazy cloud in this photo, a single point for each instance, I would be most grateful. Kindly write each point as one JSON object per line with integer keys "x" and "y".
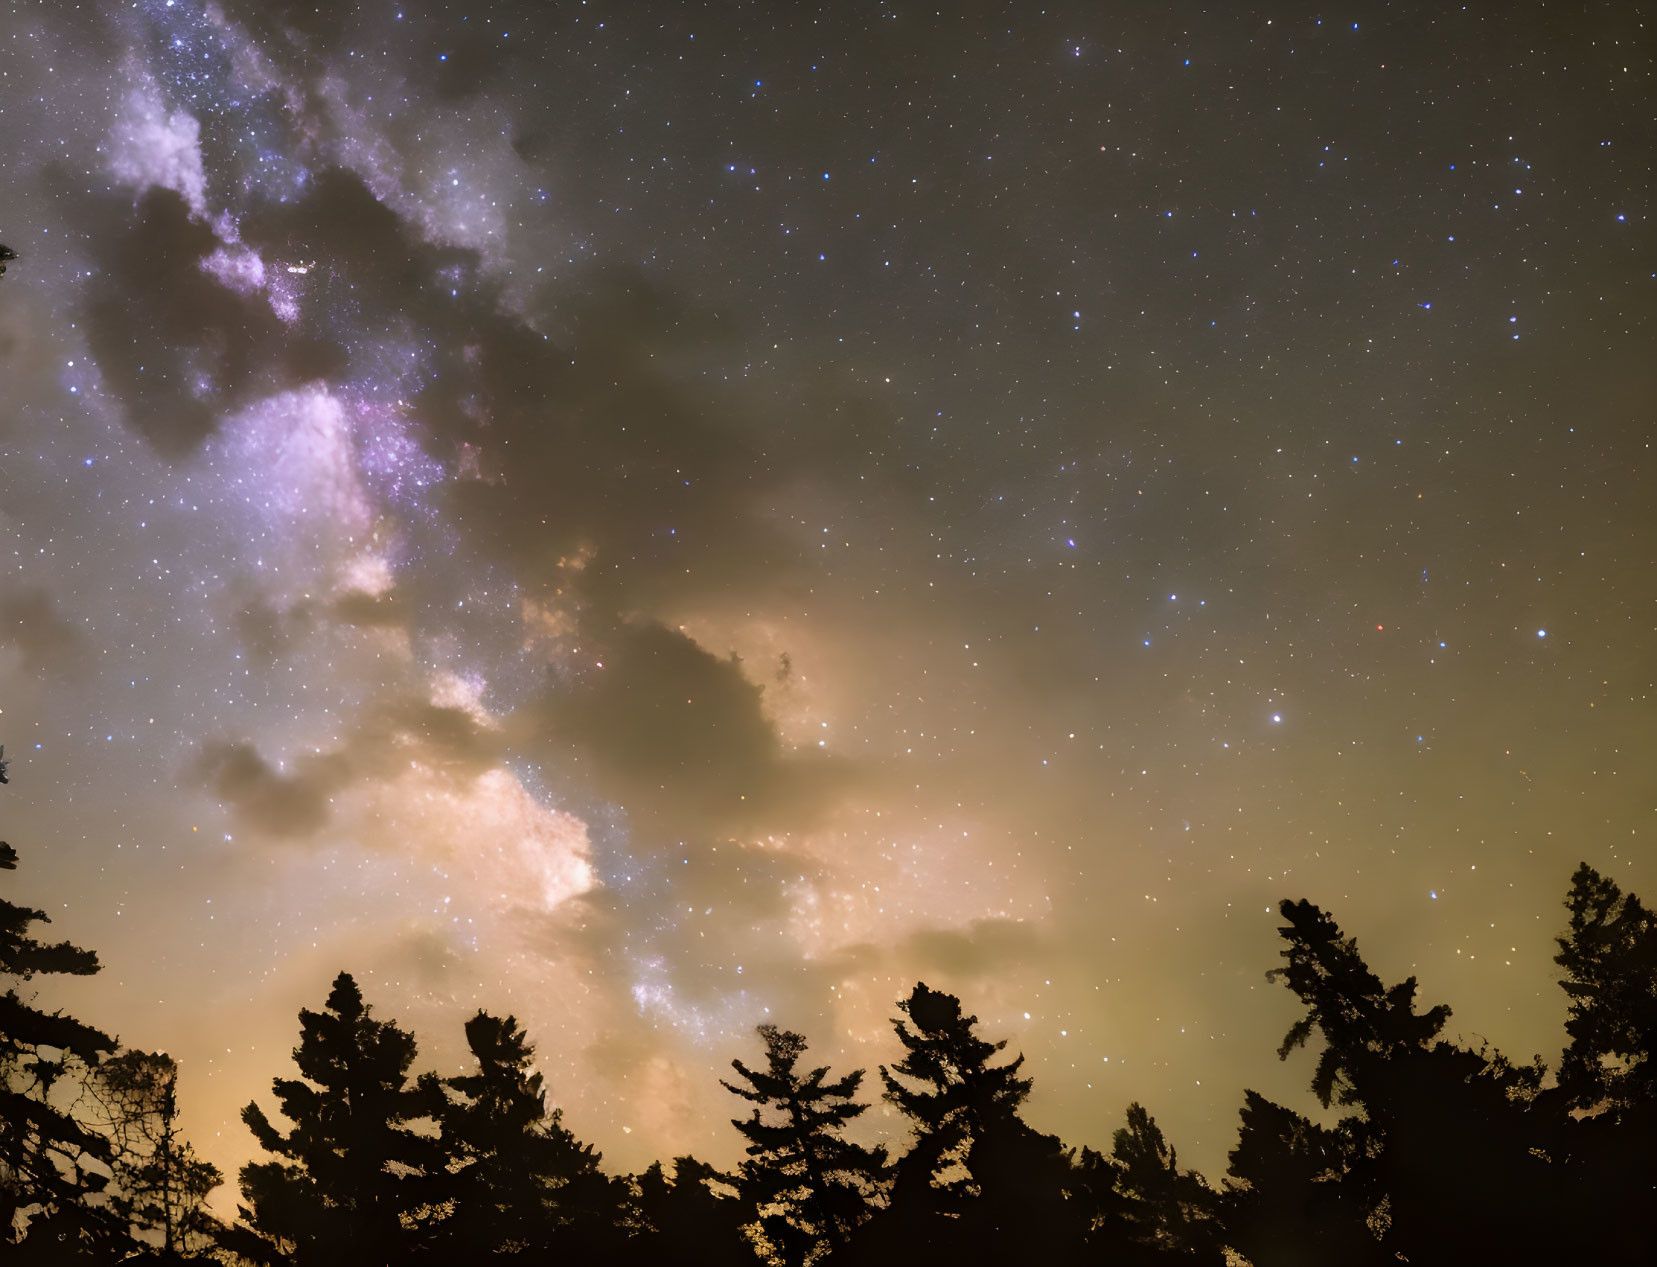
{"x": 983, "y": 947}
{"x": 266, "y": 800}
{"x": 30, "y": 623}
{"x": 681, "y": 734}
{"x": 447, "y": 744}
{"x": 174, "y": 343}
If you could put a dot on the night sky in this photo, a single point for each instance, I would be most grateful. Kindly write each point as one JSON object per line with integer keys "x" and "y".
{"x": 665, "y": 518}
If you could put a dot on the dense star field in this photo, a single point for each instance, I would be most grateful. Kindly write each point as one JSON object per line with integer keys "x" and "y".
{"x": 662, "y": 519}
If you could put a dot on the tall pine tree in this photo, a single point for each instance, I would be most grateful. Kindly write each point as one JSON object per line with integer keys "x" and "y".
{"x": 692, "y": 1220}
{"x": 51, "y": 1166}
{"x": 977, "y": 1180}
{"x": 808, "y": 1186}
{"x": 344, "y": 1185}
{"x": 1167, "y": 1210}
{"x": 1609, "y": 1071}
{"x": 161, "y": 1184}
{"x": 517, "y": 1179}
{"x": 1292, "y": 1200}
{"x": 1609, "y": 960}
{"x": 951, "y": 1093}
{"x": 1453, "y": 1163}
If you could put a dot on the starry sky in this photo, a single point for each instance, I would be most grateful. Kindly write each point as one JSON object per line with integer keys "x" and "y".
{"x": 661, "y": 518}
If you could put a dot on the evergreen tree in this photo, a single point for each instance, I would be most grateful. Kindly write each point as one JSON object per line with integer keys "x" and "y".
{"x": 1454, "y": 1165}
{"x": 1609, "y": 958}
{"x": 1361, "y": 1022}
{"x": 808, "y": 1187}
{"x": 341, "y": 1189}
{"x": 977, "y": 1182}
{"x": 518, "y": 1178}
{"x": 51, "y": 1165}
{"x": 1291, "y": 1201}
{"x": 1142, "y": 1210}
{"x": 1608, "y": 1075}
{"x": 161, "y": 1184}
{"x": 1168, "y": 1210}
{"x": 950, "y": 1092}
{"x": 692, "y": 1220}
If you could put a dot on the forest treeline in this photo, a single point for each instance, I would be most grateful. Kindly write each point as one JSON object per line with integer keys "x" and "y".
{"x": 1440, "y": 1153}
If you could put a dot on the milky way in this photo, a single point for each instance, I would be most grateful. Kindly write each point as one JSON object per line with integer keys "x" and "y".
{"x": 660, "y": 519}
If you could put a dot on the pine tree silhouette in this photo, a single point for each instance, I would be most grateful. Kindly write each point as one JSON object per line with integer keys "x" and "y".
{"x": 1608, "y": 1075}
{"x": 343, "y": 1187}
{"x": 51, "y": 1166}
{"x": 1291, "y": 1201}
{"x": 161, "y": 1185}
{"x": 1609, "y": 958}
{"x": 517, "y": 1179}
{"x": 978, "y": 1184}
{"x": 808, "y": 1187}
{"x": 1168, "y": 1210}
{"x": 1452, "y": 1161}
{"x": 692, "y": 1220}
